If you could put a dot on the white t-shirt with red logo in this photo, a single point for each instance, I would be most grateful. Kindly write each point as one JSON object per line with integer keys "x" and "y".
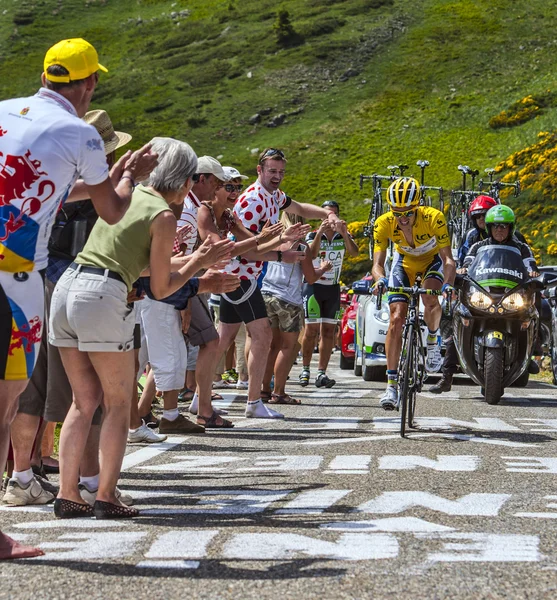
{"x": 189, "y": 217}
{"x": 254, "y": 208}
{"x": 44, "y": 148}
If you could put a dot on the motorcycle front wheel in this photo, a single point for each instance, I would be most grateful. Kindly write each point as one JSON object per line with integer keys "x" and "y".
{"x": 493, "y": 375}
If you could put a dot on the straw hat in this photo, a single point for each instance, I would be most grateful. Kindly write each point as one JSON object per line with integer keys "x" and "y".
{"x": 100, "y": 120}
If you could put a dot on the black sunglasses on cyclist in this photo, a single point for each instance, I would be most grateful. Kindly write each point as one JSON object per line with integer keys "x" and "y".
{"x": 230, "y": 187}
{"x": 500, "y": 225}
{"x": 271, "y": 152}
{"x": 403, "y": 214}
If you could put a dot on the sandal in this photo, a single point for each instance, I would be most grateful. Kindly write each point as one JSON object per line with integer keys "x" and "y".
{"x": 212, "y": 422}
{"x": 186, "y": 395}
{"x": 107, "y": 510}
{"x": 265, "y": 396}
{"x": 68, "y": 509}
{"x": 216, "y": 396}
{"x": 284, "y": 399}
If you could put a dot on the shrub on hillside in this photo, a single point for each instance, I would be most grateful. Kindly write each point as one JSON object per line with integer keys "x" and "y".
{"x": 524, "y": 110}
{"x": 285, "y": 33}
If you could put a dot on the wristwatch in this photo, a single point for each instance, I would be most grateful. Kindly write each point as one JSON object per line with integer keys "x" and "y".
{"x": 279, "y": 255}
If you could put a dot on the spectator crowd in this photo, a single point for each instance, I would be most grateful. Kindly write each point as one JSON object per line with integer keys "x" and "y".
{"x": 162, "y": 266}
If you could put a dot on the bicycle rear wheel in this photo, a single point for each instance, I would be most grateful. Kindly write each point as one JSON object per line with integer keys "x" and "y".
{"x": 415, "y": 375}
{"x": 406, "y": 375}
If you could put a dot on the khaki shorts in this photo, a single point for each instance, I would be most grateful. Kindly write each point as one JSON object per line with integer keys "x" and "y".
{"x": 287, "y": 317}
{"x": 90, "y": 312}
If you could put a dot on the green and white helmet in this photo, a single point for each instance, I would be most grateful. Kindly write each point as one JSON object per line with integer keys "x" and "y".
{"x": 500, "y": 214}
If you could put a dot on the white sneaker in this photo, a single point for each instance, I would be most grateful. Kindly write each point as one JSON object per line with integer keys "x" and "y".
{"x": 91, "y": 495}
{"x": 258, "y": 410}
{"x": 144, "y": 435}
{"x": 434, "y": 360}
{"x": 242, "y": 385}
{"x": 389, "y": 400}
{"x": 221, "y": 385}
{"x": 18, "y": 494}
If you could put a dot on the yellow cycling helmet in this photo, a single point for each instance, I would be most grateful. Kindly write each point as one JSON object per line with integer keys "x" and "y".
{"x": 403, "y": 192}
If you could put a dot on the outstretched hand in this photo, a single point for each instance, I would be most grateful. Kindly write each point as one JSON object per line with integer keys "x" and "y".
{"x": 295, "y": 232}
{"x": 217, "y": 282}
{"x": 141, "y": 163}
{"x": 210, "y": 254}
{"x": 270, "y": 231}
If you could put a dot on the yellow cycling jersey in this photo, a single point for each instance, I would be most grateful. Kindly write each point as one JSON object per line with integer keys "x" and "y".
{"x": 429, "y": 233}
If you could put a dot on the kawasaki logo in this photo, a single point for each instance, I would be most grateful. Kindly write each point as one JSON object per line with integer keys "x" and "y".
{"x": 499, "y": 271}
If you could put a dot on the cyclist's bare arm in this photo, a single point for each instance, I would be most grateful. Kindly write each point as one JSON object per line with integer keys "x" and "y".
{"x": 378, "y": 269}
{"x": 449, "y": 266}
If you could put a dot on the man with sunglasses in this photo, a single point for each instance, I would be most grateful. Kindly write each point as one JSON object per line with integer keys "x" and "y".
{"x": 260, "y": 203}
{"x": 421, "y": 245}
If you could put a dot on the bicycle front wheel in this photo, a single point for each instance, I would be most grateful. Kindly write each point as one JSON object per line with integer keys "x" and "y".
{"x": 407, "y": 377}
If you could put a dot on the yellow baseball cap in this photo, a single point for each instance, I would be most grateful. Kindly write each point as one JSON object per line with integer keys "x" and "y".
{"x": 77, "y": 56}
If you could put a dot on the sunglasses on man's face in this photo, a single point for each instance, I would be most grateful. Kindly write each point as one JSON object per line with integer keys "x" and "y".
{"x": 230, "y": 187}
{"x": 403, "y": 214}
{"x": 500, "y": 226}
{"x": 270, "y": 153}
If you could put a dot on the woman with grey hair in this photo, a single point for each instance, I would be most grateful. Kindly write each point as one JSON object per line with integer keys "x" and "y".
{"x": 92, "y": 321}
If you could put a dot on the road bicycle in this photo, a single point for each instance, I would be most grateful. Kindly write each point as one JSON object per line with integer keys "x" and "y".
{"x": 458, "y": 222}
{"x": 411, "y": 364}
{"x": 493, "y": 188}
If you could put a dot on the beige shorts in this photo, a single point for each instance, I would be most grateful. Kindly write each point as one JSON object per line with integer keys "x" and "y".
{"x": 90, "y": 312}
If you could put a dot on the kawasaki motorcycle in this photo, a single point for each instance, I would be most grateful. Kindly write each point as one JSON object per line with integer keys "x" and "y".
{"x": 495, "y": 320}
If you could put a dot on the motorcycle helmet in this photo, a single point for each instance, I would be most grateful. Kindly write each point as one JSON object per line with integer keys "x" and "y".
{"x": 480, "y": 206}
{"x": 331, "y": 204}
{"x": 500, "y": 214}
{"x": 403, "y": 193}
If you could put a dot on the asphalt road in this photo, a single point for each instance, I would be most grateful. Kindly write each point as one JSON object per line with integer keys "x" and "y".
{"x": 330, "y": 503}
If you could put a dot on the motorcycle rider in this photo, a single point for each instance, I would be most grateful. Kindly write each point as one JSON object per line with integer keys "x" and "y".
{"x": 422, "y": 245}
{"x": 500, "y": 223}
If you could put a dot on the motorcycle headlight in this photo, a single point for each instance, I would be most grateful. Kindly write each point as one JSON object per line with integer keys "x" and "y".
{"x": 515, "y": 301}
{"x": 480, "y": 300}
{"x": 351, "y": 323}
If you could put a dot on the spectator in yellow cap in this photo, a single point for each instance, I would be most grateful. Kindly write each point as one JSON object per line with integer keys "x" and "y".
{"x": 44, "y": 148}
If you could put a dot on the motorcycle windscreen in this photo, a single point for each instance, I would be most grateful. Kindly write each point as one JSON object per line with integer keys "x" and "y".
{"x": 498, "y": 266}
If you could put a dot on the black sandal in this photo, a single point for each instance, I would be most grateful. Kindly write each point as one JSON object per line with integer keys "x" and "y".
{"x": 212, "y": 422}
{"x": 68, "y": 509}
{"x": 107, "y": 510}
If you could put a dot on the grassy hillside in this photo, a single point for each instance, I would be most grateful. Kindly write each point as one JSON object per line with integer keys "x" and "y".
{"x": 361, "y": 83}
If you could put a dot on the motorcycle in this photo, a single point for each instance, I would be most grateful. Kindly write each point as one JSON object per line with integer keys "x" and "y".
{"x": 495, "y": 320}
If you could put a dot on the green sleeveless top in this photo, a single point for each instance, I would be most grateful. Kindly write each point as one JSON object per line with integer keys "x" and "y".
{"x": 125, "y": 247}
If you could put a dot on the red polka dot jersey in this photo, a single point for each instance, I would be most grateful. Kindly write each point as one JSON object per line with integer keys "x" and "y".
{"x": 254, "y": 208}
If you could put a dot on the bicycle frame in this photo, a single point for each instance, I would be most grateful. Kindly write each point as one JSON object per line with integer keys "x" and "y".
{"x": 411, "y": 364}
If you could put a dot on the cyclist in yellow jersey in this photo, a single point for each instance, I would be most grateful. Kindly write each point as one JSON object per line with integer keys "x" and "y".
{"x": 421, "y": 245}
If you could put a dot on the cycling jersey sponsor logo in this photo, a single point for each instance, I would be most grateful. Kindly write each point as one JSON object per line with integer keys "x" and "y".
{"x": 94, "y": 144}
{"x": 29, "y": 335}
{"x": 24, "y": 111}
{"x": 499, "y": 271}
{"x": 17, "y": 175}
{"x": 423, "y": 236}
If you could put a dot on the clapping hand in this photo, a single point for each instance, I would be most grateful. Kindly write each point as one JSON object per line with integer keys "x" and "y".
{"x": 216, "y": 254}
{"x": 270, "y": 231}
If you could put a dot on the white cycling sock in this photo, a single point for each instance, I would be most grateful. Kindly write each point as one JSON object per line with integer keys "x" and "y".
{"x": 91, "y": 483}
{"x": 194, "y": 404}
{"x": 171, "y": 415}
{"x": 23, "y": 477}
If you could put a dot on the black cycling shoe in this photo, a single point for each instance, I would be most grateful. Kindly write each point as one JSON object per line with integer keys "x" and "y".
{"x": 323, "y": 381}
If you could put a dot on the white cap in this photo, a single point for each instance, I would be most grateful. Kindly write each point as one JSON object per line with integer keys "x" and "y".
{"x": 233, "y": 173}
{"x": 208, "y": 164}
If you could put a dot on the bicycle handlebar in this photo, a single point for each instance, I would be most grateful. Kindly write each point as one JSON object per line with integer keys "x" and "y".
{"x": 405, "y": 290}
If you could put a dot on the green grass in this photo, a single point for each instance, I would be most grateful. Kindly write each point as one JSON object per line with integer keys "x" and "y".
{"x": 435, "y": 73}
